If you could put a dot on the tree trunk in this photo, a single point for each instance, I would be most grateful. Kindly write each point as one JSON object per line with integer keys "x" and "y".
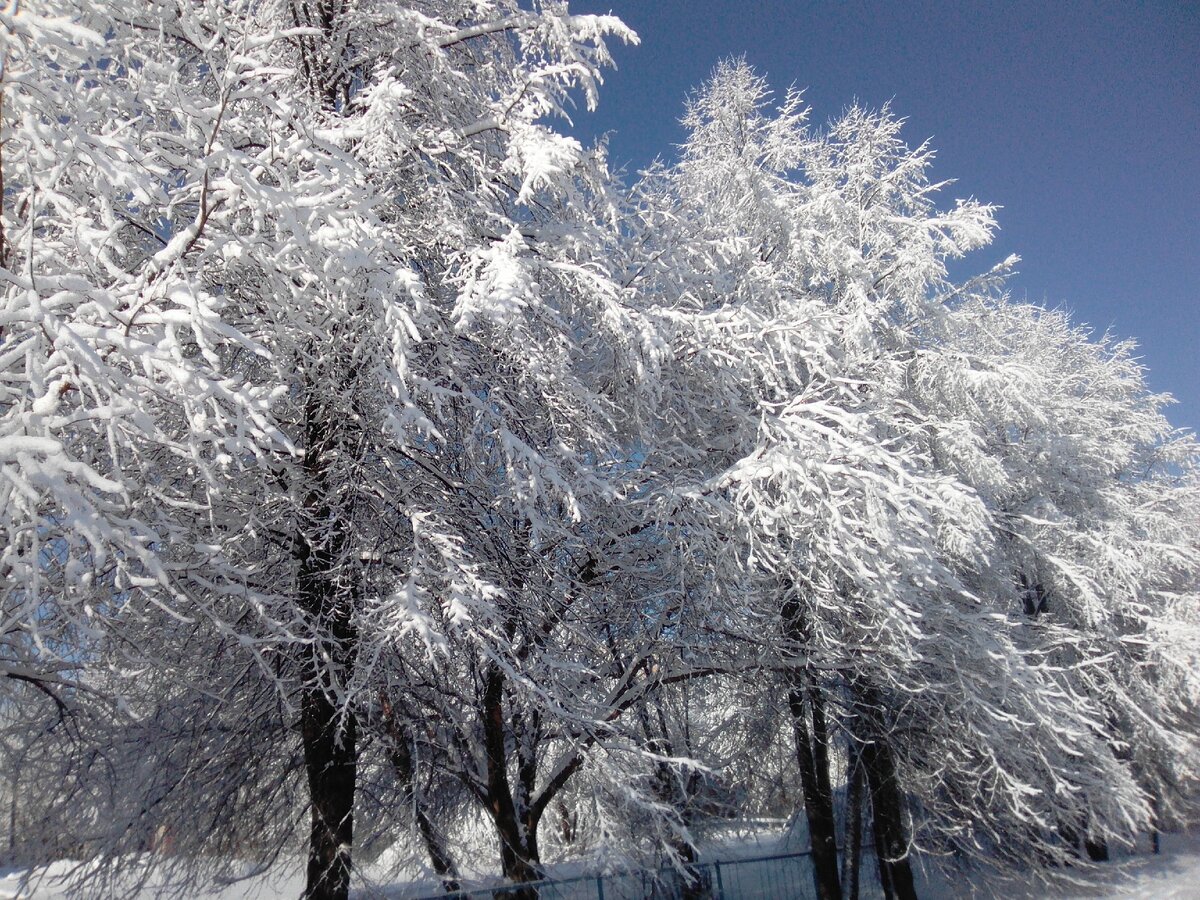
{"x": 329, "y": 737}
{"x": 818, "y": 796}
{"x": 401, "y": 757}
{"x": 891, "y": 832}
{"x": 1154, "y": 821}
{"x": 329, "y": 758}
{"x": 439, "y": 855}
{"x": 518, "y": 856}
{"x": 327, "y": 592}
{"x": 812, "y": 754}
{"x": 852, "y": 857}
{"x": 528, "y": 734}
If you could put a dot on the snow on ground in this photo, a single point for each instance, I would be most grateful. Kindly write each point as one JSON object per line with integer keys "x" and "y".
{"x": 53, "y": 883}
{"x": 1173, "y": 875}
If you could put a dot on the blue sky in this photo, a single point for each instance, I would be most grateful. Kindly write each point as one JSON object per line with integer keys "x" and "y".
{"x": 1081, "y": 119}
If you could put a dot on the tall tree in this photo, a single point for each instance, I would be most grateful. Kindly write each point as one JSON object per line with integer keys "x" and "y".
{"x": 310, "y": 229}
{"x": 1060, "y": 436}
{"x": 788, "y": 266}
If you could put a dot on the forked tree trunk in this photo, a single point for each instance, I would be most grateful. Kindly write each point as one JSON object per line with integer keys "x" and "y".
{"x": 401, "y": 757}
{"x": 807, "y": 707}
{"x": 812, "y": 755}
{"x": 891, "y": 831}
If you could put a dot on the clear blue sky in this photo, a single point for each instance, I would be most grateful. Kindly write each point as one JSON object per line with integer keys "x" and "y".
{"x": 1081, "y": 119}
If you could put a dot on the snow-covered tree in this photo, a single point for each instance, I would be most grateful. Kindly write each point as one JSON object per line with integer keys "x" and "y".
{"x": 278, "y": 244}
{"x": 109, "y": 390}
{"x": 795, "y": 259}
{"x": 805, "y": 276}
{"x": 1087, "y": 487}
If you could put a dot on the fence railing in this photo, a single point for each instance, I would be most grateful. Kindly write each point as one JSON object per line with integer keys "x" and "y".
{"x": 784, "y": 876}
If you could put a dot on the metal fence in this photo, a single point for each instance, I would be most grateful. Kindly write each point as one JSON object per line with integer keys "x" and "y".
{"x": 786, "y": 876}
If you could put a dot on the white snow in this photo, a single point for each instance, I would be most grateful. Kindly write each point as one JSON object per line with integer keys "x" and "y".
{"x": 1172, "y": 875}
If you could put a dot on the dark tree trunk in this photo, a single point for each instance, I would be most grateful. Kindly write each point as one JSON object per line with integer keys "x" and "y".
{"x": 854, "y": 825}
{"x": 329, "y": 736}
{"x": 812, "y": 754}
{"x": 820, "y": 745}
{"x": 1154, "y": 821}
{"x": 818, "y": 797}
{"x": 327, "y": 592}
{"x": 518, "y": 855}
{"x": 885, "y": 872}
{"x": 439, "y": 855}
{"x": 891, "y": 832}
{"x": 528, "y": 734}
{"x": 401, "y": 757}
{"x": 329, "y": 758}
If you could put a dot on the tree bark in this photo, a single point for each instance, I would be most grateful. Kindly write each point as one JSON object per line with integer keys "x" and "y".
{"x": 812, "y": 754}
{"x": 891, "y": 831}
{"x": 518, "y": 860}
{"x": 401, "y": 757}
{"x": 852, "y": 857}
{"x": 1155, "y": 807}
{"x": 329, "y": 758}
{"x": 329, "y": 737}
{"x": 327, "y": 593}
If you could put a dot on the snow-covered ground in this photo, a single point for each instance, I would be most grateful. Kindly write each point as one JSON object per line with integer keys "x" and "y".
{"x": 1172, "y": 875}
